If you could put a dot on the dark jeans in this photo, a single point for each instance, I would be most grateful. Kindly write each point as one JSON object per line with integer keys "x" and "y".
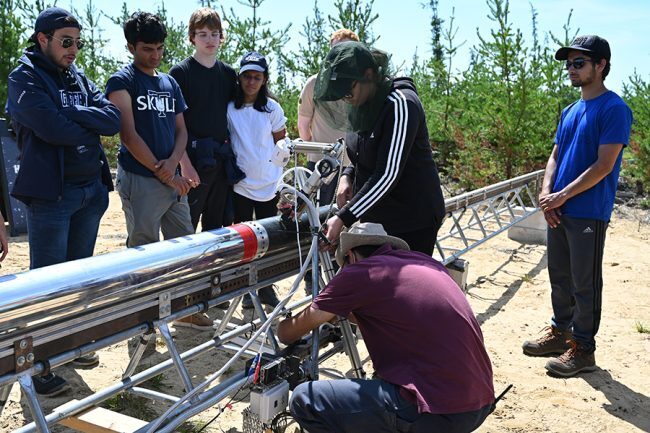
{"x": 361, "y": 406}
{"x": 575, "y": 269}
{"x": 245, "y": 208}
{"x": 209, "y": 201}
{"x": 64, "y": 230}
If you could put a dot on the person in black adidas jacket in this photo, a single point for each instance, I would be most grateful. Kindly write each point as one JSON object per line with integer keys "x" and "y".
{"x": 393, "y": 179}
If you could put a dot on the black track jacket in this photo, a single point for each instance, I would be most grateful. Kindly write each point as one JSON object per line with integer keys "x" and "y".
{"x": 395, "y": 179}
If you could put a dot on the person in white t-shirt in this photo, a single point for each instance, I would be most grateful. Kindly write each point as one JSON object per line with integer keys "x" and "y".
{"x": 256, "y": 122}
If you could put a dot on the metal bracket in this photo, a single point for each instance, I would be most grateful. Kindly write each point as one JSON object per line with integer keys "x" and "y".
{"x": 215, "y": 286}
{"x": 24, "y": 354}
{"x": 252, "y": 274}
{"x": 164, "y": 305}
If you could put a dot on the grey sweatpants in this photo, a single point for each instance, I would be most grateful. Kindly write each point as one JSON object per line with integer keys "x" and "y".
{"x": 151, "y": 207}
{"x": 575, "y": 261}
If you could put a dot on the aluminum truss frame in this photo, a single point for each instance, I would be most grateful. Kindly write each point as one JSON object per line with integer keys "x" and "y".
{"x": 472, "y": 219}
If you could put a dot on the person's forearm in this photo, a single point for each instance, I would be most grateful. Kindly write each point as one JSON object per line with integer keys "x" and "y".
{"x": 180, "y": 142}
{"x": 549, "y": 174}
{"x": 590, "y": 177}
{"x": 139, "y": 149}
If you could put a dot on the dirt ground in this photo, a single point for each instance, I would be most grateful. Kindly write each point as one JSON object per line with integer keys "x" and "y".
{"x": 509, "y": 292}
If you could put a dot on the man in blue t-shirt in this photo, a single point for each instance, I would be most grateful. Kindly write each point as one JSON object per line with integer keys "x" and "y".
{"x": 577, "y": 199}
{"x": 153, "y": 134}
{"x": 405, "y": 303}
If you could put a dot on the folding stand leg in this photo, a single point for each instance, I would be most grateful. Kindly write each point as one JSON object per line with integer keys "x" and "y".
{"x": 4, "y": 396}
{"x": 227, "y": 316}
{"x": 259, "y": 309}
{"x": 143, "y": 341}
{"x": 176, "y": 358}
{"x": 27, "y": 385}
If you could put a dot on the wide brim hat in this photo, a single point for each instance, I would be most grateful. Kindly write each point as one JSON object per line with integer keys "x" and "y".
{"x": 365, "y": 234}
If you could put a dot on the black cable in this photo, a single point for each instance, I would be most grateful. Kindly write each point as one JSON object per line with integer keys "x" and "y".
{"x": 282, "y": 421}
{"x": 226, "y": 406}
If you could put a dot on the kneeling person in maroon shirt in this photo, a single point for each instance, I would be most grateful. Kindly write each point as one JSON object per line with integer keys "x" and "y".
{"x": 424, "y": 341}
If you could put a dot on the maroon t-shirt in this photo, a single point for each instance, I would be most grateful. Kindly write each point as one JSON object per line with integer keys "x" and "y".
{"x": 418, "y": 327}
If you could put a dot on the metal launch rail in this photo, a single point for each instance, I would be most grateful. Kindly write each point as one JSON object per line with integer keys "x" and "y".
{"x": 50, "y": 316}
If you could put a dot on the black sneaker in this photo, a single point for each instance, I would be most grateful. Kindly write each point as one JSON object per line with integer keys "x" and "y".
{"x": 89, "y": 360}
{"x": 267, "y": 297}
{"x": 50, "y": 385}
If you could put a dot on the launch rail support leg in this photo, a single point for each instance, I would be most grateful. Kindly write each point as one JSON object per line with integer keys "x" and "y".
{"x": 27, "y": 385}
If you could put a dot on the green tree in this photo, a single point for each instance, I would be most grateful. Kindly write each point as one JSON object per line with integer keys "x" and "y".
{"x": 307, "y": 60}
{"x": 12, "y": 40}
{"x": 637, "y": 161}
{"x": 355, "y": 15}
{"x": 94, "y": 58}
{"x": 502, "y": 130}
{"x": 251, "y": 34}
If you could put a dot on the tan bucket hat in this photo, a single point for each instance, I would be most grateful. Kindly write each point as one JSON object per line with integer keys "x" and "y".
{"x": 365, "y": 234}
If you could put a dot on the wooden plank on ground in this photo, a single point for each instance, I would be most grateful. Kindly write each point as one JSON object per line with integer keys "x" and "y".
{"x": 100, "y": 420}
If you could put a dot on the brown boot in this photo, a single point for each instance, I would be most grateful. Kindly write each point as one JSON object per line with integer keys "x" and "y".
{"x": 553, "y": 342}
{"x": 572, "y": 362}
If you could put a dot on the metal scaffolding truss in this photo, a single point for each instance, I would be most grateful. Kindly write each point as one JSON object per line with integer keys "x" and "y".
{"x": 51, "y": 316}
{"x": 477, "y": 216}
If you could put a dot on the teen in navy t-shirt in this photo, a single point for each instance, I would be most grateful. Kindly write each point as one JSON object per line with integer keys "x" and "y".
{"x": 155, "y": 102}
{"x": 153, "y": 134}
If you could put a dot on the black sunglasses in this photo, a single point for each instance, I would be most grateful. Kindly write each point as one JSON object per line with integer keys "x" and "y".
{"x": 67, "y": 42}
{"x": 577, "y": 63}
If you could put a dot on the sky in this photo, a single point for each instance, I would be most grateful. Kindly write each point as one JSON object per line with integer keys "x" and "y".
{"x": 403, "y": 25}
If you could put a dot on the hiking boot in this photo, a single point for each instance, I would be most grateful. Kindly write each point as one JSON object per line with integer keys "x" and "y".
{"x": 553, "y": 342}
{"x": 50, "y": 385}
{"x": 267, "y": 297}
{"x": 89, "y": 360}
{"x": 198, "y": 321}
{"x": 573, "y": 361}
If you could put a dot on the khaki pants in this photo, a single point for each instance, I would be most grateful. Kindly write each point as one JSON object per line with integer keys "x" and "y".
{"x": 151, "y": 207}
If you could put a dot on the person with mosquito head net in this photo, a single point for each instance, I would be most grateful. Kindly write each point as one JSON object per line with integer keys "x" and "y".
{"x": 392, "y": 178}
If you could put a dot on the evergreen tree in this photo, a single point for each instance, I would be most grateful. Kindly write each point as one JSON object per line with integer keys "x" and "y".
{"x": 93, "y": 58}
{"x": 13, "y": 37}
{"x": 355, "y": 15}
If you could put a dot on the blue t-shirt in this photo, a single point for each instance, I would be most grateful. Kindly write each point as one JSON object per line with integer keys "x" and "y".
{"x": 583, "y": 127}
{"x": 155, "y": 101}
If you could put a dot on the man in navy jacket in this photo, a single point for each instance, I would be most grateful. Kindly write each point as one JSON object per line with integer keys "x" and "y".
{"x": 64, "y": 179}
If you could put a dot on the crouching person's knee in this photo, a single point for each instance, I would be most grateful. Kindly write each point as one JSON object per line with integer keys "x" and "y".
{"x": 300, "y": 405}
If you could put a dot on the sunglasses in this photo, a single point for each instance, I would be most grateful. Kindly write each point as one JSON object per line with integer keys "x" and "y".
{"x": 67, "y": 42}
{"x": 576, "y": 63}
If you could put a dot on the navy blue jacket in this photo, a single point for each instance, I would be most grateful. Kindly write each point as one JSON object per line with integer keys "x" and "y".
{"x": 45, "y": 121}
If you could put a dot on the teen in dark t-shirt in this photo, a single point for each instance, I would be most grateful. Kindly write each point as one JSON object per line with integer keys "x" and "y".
{"x": 208, "y": 85}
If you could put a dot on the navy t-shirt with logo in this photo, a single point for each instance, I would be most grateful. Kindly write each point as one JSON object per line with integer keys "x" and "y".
{"x": 155, "y": 101}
